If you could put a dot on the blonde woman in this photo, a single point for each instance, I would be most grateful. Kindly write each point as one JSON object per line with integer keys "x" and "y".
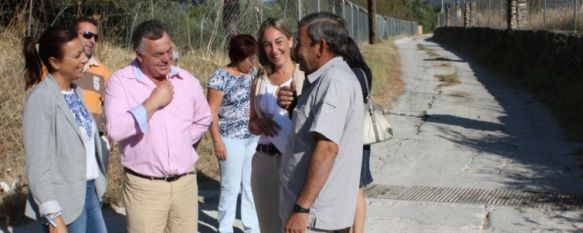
{"x": 270, "y": 121}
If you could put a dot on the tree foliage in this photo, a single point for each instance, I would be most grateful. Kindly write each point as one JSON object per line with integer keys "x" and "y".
{"x": 424, "y": 14}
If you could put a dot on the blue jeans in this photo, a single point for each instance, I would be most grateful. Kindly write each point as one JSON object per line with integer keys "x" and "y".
{"x": 91, "y": 220}
{"x": 235, "y": 178}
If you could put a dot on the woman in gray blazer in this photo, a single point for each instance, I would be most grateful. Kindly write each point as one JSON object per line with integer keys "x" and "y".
{"x": 66, "y": 162}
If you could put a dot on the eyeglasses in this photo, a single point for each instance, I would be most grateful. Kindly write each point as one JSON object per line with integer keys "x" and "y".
{"x": 88, "y": 35}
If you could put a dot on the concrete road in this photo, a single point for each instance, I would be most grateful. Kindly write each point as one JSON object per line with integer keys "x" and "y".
{"x": 481, "y": 134}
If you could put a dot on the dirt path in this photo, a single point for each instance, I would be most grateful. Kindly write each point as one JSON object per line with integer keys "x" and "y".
{"x": 468, "y": 153}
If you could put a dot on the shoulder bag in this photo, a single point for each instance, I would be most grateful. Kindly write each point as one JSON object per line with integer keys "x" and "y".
{"x": 376, "y": 127}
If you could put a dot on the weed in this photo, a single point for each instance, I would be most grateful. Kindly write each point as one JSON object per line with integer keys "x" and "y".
{"x": 432, "y": 53}
{"x": 448, "y": 79}
{"x": 459, "y": 94}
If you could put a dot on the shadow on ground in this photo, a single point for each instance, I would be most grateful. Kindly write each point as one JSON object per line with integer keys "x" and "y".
{"x": 116, "y": 223}
{"x": 535, "y": 144}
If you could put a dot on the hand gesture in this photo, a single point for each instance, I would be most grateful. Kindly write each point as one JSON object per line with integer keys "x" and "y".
{"x": 264, "y": 126}
{"x": 286, "y": 96}
{"x": 162, "y": 95}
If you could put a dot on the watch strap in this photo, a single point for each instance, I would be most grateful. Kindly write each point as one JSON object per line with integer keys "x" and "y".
{"x": 299, "y": 209}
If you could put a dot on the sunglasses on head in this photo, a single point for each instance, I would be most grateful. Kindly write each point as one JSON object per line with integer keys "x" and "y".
{"x": 88, "y": 35}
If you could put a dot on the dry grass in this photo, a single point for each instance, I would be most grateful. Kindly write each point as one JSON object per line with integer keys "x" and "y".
{"x": 11, "y": 150}
{"x": 382, "y": 58}
{"x": 430, "y": 52}
{"x": 556, "y": 19}
{"x": 448, "y": 79}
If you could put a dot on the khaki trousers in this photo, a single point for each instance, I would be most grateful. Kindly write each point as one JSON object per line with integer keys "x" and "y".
{"x": 265, "y": 185}
{"x": 158, "y": 206}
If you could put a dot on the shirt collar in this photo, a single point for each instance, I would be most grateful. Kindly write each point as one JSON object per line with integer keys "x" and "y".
{"x": 139, "y": 75}
{"x": 316, "y": 74}
{"x": 91, "y": 62}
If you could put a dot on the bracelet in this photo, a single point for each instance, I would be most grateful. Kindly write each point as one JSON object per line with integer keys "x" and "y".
{"x": 52, "y": 217}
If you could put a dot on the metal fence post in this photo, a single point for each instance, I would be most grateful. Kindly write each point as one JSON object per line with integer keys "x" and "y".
{"x": 352, "y": 19}
{"x": 318, "y": 5}
{"x": 545, "y": 14}
{"x": 501, "y": 17}
{"x": 575, "y": 15}
{"x": 343, "y": 9}
{"x": 299, "y": 10}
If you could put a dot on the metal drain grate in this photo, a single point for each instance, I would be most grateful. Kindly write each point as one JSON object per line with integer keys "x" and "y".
{"x": 502, "y": 197}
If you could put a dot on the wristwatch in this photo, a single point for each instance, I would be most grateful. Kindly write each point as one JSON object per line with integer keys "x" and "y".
{"x": 299, "y": 209}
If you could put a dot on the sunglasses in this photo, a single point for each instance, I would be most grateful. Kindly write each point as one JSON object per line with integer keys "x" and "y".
{"x": 88, "y": 35}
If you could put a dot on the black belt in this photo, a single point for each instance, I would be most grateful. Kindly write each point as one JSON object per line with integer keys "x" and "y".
{"x": 268, "y": 148}
{"x": 165, "y": 178}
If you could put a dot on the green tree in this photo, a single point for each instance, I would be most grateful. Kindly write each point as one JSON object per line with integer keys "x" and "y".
{"x": 424, "y": 14}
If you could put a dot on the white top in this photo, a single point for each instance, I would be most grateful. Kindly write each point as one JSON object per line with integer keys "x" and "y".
{"x": 269, "y": 108}
{"x": 84, "y": 120}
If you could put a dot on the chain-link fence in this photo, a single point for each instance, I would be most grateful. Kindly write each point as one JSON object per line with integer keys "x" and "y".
{"x": 563, "y": 15}
{"x": 245, "y": 16}
{"x": 194, "y": 24}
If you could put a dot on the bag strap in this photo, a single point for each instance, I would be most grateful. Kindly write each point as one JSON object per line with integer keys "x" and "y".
{"x": 257, "y": 93}
{"x": 365, "y": 80}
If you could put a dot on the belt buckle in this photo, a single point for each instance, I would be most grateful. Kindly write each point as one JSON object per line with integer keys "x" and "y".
{"x": 170, "y": 178}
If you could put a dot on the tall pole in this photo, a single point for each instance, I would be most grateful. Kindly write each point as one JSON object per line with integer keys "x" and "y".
{"x": 575, "y": 15}
{"x": 300, "y": 10}
{"x": 545, "y": 14}
{"x": 28, "y": 27}
{"x": 343, "y": 9}
{"x": 501, "y": 17}
{"x": 372, "y": 29}
{"x": 412, "y": 18}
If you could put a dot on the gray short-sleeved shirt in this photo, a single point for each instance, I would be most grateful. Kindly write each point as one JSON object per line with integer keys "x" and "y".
{"x": 331, "y": 104}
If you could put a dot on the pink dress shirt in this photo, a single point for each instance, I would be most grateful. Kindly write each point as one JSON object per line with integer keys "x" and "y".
{"x": 161, "y": 146}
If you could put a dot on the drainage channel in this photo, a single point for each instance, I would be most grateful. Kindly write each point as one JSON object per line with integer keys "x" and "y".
{"x": 503, "y": 197}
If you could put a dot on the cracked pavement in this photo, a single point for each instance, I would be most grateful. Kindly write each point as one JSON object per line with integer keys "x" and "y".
{"x": 482, "y": 132}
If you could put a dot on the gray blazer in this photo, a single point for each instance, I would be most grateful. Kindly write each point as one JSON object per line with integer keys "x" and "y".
{"x": 55, "y": 154}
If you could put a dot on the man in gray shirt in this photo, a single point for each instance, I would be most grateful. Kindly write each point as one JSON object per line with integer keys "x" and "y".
{"x": 320, "y": 169}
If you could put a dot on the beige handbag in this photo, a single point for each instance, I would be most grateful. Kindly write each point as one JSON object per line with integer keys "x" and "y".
{"x": 376, "y": 127}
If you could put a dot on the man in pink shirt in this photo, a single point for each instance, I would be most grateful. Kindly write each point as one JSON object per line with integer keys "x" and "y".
{"x": 156, "y": 112}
